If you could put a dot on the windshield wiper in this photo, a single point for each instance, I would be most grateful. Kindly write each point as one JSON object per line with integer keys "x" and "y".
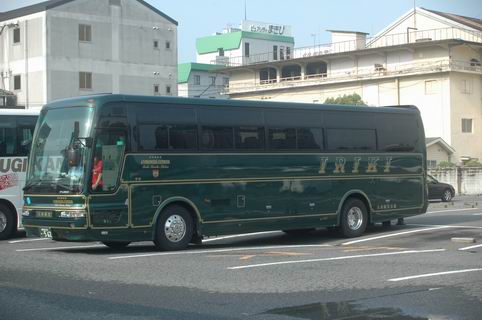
{"x": 32, "y": 183}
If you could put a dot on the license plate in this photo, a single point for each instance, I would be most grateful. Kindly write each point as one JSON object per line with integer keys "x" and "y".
{"x": 43, "y": 214}
{"x": 45, "y": 233}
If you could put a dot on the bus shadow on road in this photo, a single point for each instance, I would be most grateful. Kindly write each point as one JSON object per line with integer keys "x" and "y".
{"x": 312, "y": 237}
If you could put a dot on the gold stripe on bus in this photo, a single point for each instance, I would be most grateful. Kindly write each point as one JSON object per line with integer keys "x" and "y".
{"x": 54, "y": 227}
{"x": 272, "y": 218}
{"x": 273, "y": 179}
{"x": 55, "y": 208}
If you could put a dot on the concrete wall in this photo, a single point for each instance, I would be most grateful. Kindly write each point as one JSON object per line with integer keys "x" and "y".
{"x": 26, "y": 59}
{"x": 465, "y": 180}
{"x": 205, "y": 89}
{"x": 466, "y": 105}
{"x": 121, "y": 55}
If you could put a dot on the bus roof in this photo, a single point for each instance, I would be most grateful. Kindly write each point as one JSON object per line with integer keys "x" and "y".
{"x": 19, "y": 112}
{"x": 101, "y": 99}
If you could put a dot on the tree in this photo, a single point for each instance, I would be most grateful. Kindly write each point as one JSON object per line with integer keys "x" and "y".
{"x": 472, "y": 163}
{"x": 446, "y": 164}
{"x": 352, "y": 99}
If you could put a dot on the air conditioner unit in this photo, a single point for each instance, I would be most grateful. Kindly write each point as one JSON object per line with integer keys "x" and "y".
{"x": 379, "y": 67}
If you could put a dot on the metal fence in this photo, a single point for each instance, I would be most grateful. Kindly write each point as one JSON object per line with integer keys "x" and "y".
{"x": 411, "y": 36}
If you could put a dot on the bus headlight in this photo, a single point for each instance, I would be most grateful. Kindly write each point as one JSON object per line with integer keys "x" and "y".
{"x": 25, "y": 213}
{"x": 73, "y": 214}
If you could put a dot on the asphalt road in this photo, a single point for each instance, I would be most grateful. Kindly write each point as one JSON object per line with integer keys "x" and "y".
{"x": 415, "y": 271}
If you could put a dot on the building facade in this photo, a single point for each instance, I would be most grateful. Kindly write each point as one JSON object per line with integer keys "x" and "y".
{"x": 200, "y": 80}
{"x": 252, "y": 42}
{"x": 425, "y": 58}
{"x": 64, "y": 48}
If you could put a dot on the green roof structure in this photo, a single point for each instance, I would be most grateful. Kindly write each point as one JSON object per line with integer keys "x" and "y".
{"x": 232, "y": 40}
{"x": 184, "y": 70}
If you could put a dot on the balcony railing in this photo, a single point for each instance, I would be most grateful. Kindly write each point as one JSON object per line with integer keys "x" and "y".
{"x": 364, "y": 73}
{"x": 411, "y": 36}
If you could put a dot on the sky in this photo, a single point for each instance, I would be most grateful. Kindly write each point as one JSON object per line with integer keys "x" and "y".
{"x": 309, "y": 19}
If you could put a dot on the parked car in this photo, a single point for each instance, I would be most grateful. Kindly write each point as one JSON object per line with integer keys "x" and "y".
{"x": 439, "y": 190}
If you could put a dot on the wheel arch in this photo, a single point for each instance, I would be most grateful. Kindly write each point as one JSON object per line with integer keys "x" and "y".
{"x": 357, "y": 194}
{"x": 12, "y": 208}
{"x": 183, "y": 202}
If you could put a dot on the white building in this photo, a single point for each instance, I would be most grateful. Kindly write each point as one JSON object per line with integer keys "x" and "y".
{"x": 64, "y": 48}
{"x": 253, "y": 42}
{"x": 426, "y": 58}
{"x": 201, "y": 80}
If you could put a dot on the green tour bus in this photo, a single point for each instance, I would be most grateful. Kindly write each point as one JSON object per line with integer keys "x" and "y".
{"x": 120, "y": 168}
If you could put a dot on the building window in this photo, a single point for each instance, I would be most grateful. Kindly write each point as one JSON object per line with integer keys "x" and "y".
{"x": 466, "y": 86}
{"x": 197, "y": 80}
{"x": 281, "y": 53}
{"x": 212, "y": 80}
{"x": 246, "y": 49}
{"x": 168, "y": 90}
{"x": 431, "y": 164}
{"x": 226, "y": 81}
{"x": 156, "y": 89}
{"x": 17, "y": 82}
{"x": 221, "y": 52}
{"x": 85, "y": 80}
{"x": 16, "y": 35}
{"x": 155, "y": 44}
{"x": 85, "y": 32}
{"x": 431, "y": 86}
{"x": 275, "y": 53}
{"x": 168, "y": 45}
{"x": 467, "y": 125}
{"x": 288, "y": 53}
{"x": 474, "y": 63}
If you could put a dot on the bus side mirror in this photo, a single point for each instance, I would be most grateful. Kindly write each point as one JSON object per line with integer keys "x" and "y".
{"x": 89, "y": 142}
{"x": 73, "y": 156}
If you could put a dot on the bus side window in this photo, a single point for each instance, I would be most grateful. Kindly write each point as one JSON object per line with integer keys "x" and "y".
{"x": 249, "y": 138}
{"x": 108, "y": 157}
{"x": 7, "y": 137}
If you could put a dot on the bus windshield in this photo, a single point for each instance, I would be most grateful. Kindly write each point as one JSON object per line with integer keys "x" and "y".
{"x": 59, "y": 131}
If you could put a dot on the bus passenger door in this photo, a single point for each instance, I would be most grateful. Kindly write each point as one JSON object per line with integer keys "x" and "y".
{"x": 108, "y": 204}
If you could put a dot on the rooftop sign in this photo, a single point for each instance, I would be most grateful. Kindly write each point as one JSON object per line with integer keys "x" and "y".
{"x": 267, "y": 28}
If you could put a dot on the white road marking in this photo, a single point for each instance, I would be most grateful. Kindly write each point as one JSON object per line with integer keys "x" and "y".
{"x": 240, "y": 235}
{"x": 217, "y": 250}
{"x": 471, "y": 247}
{"x": 29, "y": 240}
{"x": 439, "y": 225}
{"x": 450, "y": 210}
{"x": 334, "y": 258}
{"x": 477, "y": 214}
{"x": 434, "y": 274}
{"x": 393, "y": 235}
{"x": 60, "y": 248}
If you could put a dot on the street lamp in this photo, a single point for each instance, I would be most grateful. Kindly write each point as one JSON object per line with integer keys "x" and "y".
{"x": 314, "y": 39}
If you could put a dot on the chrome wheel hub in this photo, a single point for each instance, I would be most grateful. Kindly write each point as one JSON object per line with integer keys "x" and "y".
{"x": 355, "y": 218}
{"x": 175, "y": 228}
{"x": 447, "y": 195}
{"x": 3, "y": 221}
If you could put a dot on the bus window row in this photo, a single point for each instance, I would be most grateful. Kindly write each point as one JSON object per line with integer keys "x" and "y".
{"x": 152, "y": 137}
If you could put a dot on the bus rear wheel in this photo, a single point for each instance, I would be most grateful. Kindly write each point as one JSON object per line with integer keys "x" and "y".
{"x": 354, "y": 218}
{"x": 116, "y": 244}
{"x": 174, "y": 229}
{"x": 7, "y": 222}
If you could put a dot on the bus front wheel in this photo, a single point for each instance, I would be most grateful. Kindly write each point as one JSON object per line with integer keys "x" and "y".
{"x": 354, "y": 218}
{"x": 174, "y": 229}
{"x": 7, "y": 222}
